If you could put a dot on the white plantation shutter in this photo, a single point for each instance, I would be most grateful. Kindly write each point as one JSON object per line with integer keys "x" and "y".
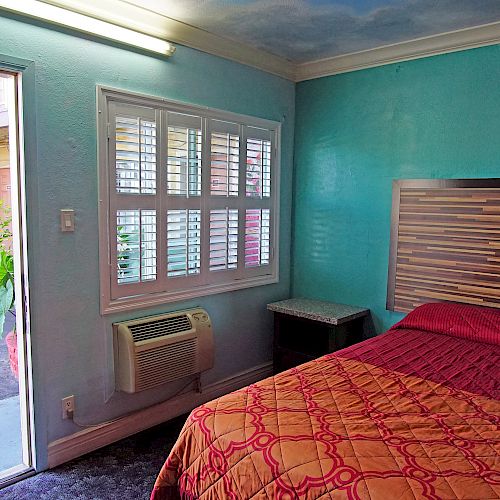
{"x": 184, "y": 155}
{"x": 183, "y": 201}
{"x": 133, "y": 200}
{"x": 135, "y": 155}
{"x": 258, "y": 163}
{"x": 259, "y": 202}
{"x": 136, "y": 245}
{"x": 225, "y": 152}
{"x": 223, "y": 239}
{"x": 183, "y": 242}
{"x": 257, "y": 237}
{"x": 191, "y": 202}
{"x": 224, "y": 158}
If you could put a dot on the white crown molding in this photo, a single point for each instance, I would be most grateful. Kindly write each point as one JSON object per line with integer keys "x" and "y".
{"x": 157, "y": 25}
{"x": 152, "y": 23}
{"x": 75, "y": 445}
{"x": 453, "y": 41}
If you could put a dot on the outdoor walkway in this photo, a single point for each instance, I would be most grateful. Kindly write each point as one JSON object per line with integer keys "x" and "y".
{"x": 10, "y": 433}
{"x": 10, "y": 421}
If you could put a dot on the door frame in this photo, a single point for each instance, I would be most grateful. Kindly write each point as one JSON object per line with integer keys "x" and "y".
{"x": 25, "y": 153}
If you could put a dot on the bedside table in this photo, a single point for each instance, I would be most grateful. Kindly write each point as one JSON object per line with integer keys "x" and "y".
{"x": 307, "y": 329}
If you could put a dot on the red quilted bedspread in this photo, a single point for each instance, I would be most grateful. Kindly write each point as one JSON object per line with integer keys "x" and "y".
{"x": 412, "y": 413}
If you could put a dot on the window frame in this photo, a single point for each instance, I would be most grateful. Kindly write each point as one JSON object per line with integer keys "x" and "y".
{"x": 106, "y": 98}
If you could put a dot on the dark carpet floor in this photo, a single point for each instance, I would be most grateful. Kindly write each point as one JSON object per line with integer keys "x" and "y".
{"x": 125, "y": 470}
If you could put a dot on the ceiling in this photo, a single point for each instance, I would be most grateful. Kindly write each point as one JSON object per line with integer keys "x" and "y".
{"x": 307, "y": 30}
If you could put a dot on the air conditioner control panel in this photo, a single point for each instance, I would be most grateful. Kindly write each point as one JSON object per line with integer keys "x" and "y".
{"x": 201, "y": 318}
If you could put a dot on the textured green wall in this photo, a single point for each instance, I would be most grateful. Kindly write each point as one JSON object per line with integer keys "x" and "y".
{"x": 72, "y": 342}
{"x": 437, "y": 117}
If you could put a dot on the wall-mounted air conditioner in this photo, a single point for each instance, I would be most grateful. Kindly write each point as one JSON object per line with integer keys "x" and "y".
{"x": 159, "y": 349}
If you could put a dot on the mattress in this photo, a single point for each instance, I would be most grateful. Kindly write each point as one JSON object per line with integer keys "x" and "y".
{"x": 411, "y": 413}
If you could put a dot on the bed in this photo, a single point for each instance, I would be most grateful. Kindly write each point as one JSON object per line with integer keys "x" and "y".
{"x": 412, "y": 413}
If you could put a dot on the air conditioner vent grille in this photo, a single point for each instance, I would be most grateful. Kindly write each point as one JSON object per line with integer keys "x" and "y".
{"x": 166, "y": 363}
{"x": 160, "y": 328}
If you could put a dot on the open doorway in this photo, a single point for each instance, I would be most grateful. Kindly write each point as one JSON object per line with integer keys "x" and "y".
{"x": 15, "y": 432}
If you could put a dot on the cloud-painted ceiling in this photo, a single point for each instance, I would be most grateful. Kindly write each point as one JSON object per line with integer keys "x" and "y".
{"x": 304, "y": 30}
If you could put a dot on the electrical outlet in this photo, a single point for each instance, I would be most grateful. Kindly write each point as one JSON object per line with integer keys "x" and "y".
{"x": 68, "y": 407}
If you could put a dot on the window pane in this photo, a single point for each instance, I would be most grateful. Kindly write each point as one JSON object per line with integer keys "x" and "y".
{"x": 184, "y": 161}
{"x": 223, "y": 239}
{"x": 258, "y": 180}
{"x": 135, "y": 155}
{"x": 183, "y": 242}
{"x": 257, "y": 237}
{"x": 136, "y": 245}
{"x": 224, "y": 164}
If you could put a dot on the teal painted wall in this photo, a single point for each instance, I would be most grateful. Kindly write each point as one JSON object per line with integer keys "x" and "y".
{"x": 431, "y": 118}
{"x": 72, "y": 348}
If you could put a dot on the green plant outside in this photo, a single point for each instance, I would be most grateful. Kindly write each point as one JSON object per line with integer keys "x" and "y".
{"x": 7, "y": 298}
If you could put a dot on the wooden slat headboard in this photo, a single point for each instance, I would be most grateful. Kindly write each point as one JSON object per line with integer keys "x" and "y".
{"x": 445, "y": 243}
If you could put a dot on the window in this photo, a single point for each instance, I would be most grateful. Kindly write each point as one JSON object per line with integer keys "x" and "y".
{"x": 188, "y": 200}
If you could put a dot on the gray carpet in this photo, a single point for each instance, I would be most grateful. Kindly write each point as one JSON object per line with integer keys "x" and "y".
{"x": 125, "y": 470}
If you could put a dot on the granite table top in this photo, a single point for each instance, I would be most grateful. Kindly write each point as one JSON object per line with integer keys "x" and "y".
{"x": 318, "y": 310}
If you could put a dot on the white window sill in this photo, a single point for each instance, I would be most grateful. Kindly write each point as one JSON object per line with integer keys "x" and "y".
{"x": 154, "y": 299}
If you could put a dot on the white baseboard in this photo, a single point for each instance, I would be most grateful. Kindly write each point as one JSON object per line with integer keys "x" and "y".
{"x": 82, "y": 442}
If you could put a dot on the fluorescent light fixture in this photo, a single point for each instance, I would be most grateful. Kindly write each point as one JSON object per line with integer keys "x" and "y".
{"x": 86, "y": 24}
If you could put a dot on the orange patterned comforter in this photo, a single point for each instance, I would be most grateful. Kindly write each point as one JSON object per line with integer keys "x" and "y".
{"x": 410, "y": 414}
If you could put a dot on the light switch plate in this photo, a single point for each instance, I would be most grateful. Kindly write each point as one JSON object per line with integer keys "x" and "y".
{"x": 67, "y": 220}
